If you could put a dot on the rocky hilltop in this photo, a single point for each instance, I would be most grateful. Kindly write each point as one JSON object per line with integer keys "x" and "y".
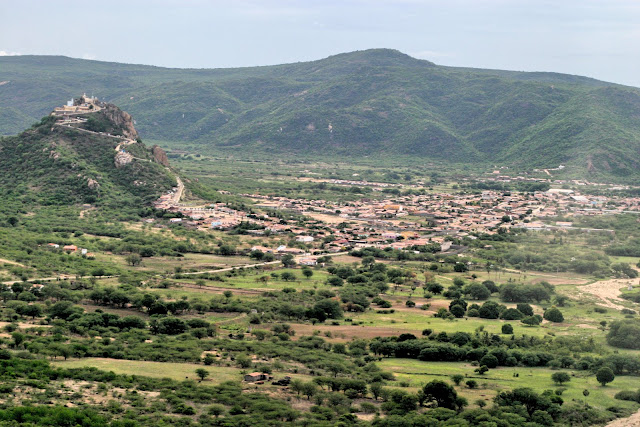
{"x": 74, "y": 158}
{"x": 121, "y": 119}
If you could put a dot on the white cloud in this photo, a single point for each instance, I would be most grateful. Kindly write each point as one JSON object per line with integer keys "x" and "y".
{"x": 7, "y": 53}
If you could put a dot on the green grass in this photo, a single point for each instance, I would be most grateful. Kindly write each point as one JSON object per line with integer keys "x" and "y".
{"x": 176, "y": 371}
{"x": 418, "y": 373}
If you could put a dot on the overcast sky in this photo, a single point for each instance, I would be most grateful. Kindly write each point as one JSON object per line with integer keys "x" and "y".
{"x": 595, "y": 38}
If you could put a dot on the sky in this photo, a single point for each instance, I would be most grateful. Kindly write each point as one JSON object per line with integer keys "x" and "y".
{"x": 594, "y": 38}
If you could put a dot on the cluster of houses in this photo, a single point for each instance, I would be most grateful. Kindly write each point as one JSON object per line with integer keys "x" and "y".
{"x": 401, "y": 222}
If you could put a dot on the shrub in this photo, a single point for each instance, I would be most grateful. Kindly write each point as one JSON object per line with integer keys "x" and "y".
{"x": 511, "y": 314}
{"x": 630, "y": 395}
{"x": 507, "y": 329}
{"x": 553, "y": 315}
{"x": 624, "y": 334}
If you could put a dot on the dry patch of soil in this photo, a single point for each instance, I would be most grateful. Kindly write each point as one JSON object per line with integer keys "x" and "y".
{"x": 608, "y": 291}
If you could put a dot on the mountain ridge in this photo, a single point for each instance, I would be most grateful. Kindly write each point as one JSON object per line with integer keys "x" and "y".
{"x": 375, "y": 102}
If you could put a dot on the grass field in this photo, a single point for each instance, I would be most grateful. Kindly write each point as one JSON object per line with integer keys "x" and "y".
{"x": 418, "y": 373}
{"x": 175, "y": 371}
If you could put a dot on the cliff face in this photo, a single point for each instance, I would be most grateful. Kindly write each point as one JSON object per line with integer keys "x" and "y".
{"x": 121, "y": 119}
{"x": 160, "y": 156}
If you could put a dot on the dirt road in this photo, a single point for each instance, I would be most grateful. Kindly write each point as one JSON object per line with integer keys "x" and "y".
{"x": 632, "y": 421}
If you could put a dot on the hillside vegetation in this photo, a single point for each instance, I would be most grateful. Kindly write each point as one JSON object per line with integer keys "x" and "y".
{"x": 376, "y": 103}
{"x": 54, "y": 165}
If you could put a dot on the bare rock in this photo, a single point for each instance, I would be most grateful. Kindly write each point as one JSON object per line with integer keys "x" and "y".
{"x": 93, "y": 184}
{"x": 122, "y": 159}
{"x": 160, "y": 156}
{"x": 121, "y": 119}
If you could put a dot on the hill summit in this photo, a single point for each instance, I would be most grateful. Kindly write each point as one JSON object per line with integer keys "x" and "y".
{"x": 86, "y": 151}
{"x": 375, "y": 103}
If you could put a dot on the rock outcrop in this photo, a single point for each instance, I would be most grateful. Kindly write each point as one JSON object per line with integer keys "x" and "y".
{"x": 122, "y": 159}
{"x": 160, "y": 156}
{"x": 121, "y": 119}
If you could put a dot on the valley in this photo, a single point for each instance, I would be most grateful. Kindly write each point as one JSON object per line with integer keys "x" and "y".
{"x": 141, "y": 286}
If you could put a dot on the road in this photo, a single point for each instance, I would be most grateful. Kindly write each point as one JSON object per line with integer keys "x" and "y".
{"x": 175, "y": 199}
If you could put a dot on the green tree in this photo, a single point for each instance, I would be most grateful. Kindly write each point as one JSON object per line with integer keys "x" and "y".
{"x": 553, "y": 315}
{"x": 441, "y": 394}
{"x": 605, "y": 375}
{"x": 307, "y": 272}
{"x": 560, "y": 377}
{"x": 531, "y": 321}
{"x": 202, "y": 373}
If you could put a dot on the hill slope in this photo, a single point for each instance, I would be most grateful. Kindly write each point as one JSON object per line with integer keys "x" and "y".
{"x": 377, "y": 102}
{"x": 50, "y": 164}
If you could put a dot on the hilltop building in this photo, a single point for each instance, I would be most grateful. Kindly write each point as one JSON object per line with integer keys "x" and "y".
{"x": 83, "y": 105}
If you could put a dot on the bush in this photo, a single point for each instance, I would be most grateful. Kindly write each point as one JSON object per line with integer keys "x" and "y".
{"x": 511, "y": 314}
{"x": 553, "y": 315}
{"x": 630, "y": 395}
{"x": 525, "y": 309}
{"x": 625, "y": 334}
{"x": 507, "y": 329}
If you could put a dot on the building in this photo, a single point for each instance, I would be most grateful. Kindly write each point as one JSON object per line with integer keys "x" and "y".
{"x": 256, "y": 376}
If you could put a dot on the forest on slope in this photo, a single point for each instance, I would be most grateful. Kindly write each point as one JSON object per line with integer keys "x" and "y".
{"x": 377, "y": 103}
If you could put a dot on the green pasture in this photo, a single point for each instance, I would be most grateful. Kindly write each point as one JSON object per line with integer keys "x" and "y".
{"x": 418, "y": 373}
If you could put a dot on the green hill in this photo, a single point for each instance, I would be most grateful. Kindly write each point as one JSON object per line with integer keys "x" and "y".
{"x": 377, "y": 103}
{"x": 54, "y": 165}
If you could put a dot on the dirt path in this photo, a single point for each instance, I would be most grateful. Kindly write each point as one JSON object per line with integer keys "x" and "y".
{"x": 608, "y": 291}
{"x": 632, "y": 421}
{"x": 6, "y": 261}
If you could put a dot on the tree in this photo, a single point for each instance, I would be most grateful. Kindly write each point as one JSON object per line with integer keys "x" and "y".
{"x": 531, "y": 321}
{"x": 476, "y": 291}
{"x": 288, "y": 276}
{"x": 457, "y": 378}
{"x": 435, "y": 288}
{"x": 624, "y": 334}
{"x": 307, "y": 272}
{"x": 202, "y": 373}
{"x": 489, "y": 310}
{"x": 560, "y": 378}
{"x": 288, "y": 260}
{"x": 440, "y": 393}
{"x": 376, "y": 390}
{"x": 525, "y": 309}
{"x": 226, "y": 250}
{"x": 309, "y": 389}
{"x": 490, "y": 361}
{"x": 507, "y": 329}
{"x": 216, "y": 410}
{"x": 511, "y": 314}
{"x": 553, "y": 315}
{"x": 133, "y": 260}
{"x": 457, "y": 310}
{"x": 605, "y": 375}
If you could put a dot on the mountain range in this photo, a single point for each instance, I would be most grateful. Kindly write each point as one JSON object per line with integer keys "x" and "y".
{"x": 374, "y": 103}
